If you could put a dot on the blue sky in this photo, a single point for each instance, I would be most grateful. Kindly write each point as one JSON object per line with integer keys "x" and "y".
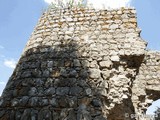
{"x": 18, "y": 19}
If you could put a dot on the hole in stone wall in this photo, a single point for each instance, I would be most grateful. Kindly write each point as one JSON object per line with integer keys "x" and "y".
{"x": 133, "y": 61}
{"x": 152, "y": 108}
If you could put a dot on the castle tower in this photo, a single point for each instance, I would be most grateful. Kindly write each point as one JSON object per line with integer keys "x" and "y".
{"x": 82, "y": 64}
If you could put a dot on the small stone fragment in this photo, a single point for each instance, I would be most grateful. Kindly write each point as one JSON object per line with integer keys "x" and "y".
{"x": 105, "y": 64}
{"x": 115, "y": 58}
{"x": 96, "y": 103}
{"x": 94, "y": 73}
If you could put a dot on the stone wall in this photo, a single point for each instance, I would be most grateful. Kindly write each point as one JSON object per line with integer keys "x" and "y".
{"x": 82, "y": 64}
{"x": 146, "y": 88}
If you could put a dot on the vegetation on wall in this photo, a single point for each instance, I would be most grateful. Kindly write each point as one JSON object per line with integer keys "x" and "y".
{"x": 61, "y": 4}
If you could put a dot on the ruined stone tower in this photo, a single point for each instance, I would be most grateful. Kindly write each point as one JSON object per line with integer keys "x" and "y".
{"x": 83, "y": 64}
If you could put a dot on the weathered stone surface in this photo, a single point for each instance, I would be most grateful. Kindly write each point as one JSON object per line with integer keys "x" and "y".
{"x": 105, "y": 64}
{"x": 71, "y": 115}
{"x": 24, "y": 100}
{"x": 51, "y": 91}
{"x": 76, "y": 63}
{"x": 54, "y": 102}
{"x": 83, "y": 64}
{"x": 33, "y": 91}
{"x": 83, "y": 114}
{"x": 106, "y": 74}
{"x": 73, "y": 73}
{"x": 114, "y": 26}
{"x": 14, "y": 102}
{"x": 96, "y": 103}
{"x": 33, "y": 101}
{"x": 100, "y": 118}
{"x": 88, "y": 91}
{"x": 43, "y": 102}
{"x": 34, "y": 114}
{"x": 101, "y": 91}
{"x": 115, "y": 58}
{"x": 62, "y": 90}
{"x": 94, "y": 73}
{"x": 26, "y": 114}
{"x": 2, "y": 112}
{"x": 17, "y": 115}
{"x": 75, "y": 91}
{"x": 45, "y": 114}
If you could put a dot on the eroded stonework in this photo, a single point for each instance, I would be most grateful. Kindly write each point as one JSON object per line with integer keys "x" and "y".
{"x": 83, "y": 64}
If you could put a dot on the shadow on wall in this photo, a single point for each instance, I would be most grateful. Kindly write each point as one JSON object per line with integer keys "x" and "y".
{"x": 51, "y": 83}
{"x": 54, "y": 82}
{"x": 125, "y": 110}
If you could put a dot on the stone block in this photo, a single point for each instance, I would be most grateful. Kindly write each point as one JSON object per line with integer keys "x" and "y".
{"x": 106, "y": 64}
{"x": 62, "y": 90}
{"x": 94, "y": 73}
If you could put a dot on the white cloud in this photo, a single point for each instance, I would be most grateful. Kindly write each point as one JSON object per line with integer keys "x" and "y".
{"x": 109, "y": 3}
{"x": 11, "y": 63}
{"x": 2, "y": 83}
{"x": 49, "y": 1}
{"x": 1, "y": 47}
{"x": 98, "y": 4}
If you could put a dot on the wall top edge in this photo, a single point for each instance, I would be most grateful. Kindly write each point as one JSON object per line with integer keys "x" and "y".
{"x": 92, "y": 9}
{"x": 153, "y": 52}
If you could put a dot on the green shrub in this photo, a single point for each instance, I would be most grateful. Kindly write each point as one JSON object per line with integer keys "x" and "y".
{"x": 60, "y": 4}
